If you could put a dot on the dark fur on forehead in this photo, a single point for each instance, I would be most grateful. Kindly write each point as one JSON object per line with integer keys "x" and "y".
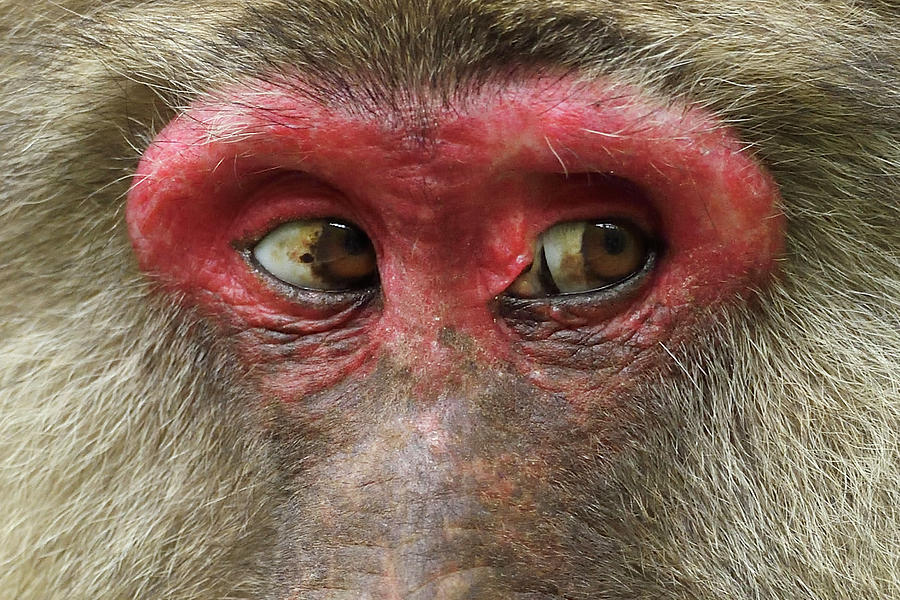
{"x": 437, "y": 45}
{"x": 373, "y": 52}
{"x": 377, "y": 52}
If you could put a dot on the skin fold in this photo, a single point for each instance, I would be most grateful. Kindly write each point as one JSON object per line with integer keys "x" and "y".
{"x": 174, "y": 423}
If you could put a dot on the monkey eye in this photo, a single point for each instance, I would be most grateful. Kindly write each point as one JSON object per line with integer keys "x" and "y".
{"x": 583, "y": 256}
{"x": 318, "y": 254}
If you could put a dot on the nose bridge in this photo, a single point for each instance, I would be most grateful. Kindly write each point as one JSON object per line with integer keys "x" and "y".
{"x": 411, "y": 525}
{"x": 422, "y": 505}
{"x": 442, "y": 259}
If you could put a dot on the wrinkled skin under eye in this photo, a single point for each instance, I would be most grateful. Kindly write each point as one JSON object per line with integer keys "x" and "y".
{"x": 318, "y": 254}
{"x": 583, "y": 256}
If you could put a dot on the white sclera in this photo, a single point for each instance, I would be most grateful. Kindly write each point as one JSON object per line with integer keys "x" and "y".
{"x": 280, "y": 251}
{"x": 562, "y": 249}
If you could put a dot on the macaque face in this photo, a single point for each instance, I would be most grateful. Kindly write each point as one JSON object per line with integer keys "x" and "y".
{"x": 461, "y": 300}
{"x": 449, "y": 206}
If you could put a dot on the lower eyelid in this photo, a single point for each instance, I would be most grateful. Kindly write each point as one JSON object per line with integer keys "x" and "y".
{"x": 533, "y": 318}
{"x": 319, "y": 299}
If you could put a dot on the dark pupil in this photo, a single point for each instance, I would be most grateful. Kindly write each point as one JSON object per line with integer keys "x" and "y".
{"x": 608, "y": 236}
{"x": 615, "y": 240}
{"x": 337, "y": 240}
{"x": 355, "y": 241}
{"x": 343, "y": 255}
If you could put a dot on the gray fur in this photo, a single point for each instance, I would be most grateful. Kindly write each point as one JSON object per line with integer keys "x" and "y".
{"x": 766, "y": 466}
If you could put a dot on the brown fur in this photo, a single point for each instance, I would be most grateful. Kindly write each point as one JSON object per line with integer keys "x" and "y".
{"x": 767, "y": 467}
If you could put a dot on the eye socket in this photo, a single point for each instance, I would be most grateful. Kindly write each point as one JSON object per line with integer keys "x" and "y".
{"x": 319, "y": 254}
{"x": 583, "y": 256}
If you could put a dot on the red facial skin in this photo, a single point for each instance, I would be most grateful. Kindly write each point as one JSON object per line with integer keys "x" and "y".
{"x": 453, "y": 208}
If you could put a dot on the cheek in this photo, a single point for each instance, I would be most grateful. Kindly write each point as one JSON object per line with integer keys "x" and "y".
{"x": 453, "y": 218}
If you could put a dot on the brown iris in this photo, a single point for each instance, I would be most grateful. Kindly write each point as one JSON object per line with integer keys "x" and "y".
{"x": 318, "y": 254}
{"x": 582, "y": 256}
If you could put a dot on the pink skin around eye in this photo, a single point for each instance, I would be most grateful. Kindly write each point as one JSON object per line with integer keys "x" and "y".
{"x": 452, "y": 207}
